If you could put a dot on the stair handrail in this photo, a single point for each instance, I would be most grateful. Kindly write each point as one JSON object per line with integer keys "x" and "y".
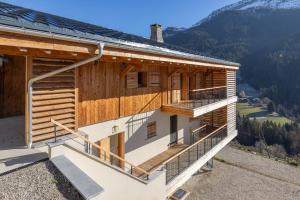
{"x": 100, "y": 148}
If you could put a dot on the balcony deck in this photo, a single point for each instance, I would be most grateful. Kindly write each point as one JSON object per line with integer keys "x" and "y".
{"x": 158, "y": 160}
{"x": 195, "y": 108}
{"x": 206, "y": 99}
{"x": 184, "y": 154}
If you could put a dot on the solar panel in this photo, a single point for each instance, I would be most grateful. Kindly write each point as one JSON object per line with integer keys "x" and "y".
{"x": 47, "y": 22}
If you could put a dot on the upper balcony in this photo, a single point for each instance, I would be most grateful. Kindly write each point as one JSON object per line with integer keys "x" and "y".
{"x": 200, "y": 102}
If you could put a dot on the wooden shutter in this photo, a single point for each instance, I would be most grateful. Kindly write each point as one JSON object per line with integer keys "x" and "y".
{"x": 151, "y": 129}
{"x": 176, "y": 86}
{"x": 132, "y": 80}
{"x": 154, "y": 79}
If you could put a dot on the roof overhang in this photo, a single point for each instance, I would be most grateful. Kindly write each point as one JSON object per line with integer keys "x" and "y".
{"x": 176, "y": 56}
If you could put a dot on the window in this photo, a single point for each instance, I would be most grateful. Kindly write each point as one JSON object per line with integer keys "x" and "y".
{"x": 151, "y": 130}
{"x": 142, "y": 79}
{"x": 136, "y": 80}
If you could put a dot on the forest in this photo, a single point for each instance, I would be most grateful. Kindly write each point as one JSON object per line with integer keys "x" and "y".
{"x": 275, "y": 140}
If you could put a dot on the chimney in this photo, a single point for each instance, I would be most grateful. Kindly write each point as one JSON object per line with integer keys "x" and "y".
{"x": 156, "y": 33}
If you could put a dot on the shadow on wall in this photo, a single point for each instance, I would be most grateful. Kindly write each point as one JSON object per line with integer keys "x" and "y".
{"x": 137, "y": 129}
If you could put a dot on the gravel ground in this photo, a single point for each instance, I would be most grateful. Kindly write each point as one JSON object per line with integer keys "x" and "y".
{"x": 244, "y": 176}
{"x": 261, "y": 164}
{"x": 39, "y": 181}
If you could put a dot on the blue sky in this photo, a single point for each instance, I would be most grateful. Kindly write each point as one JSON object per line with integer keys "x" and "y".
{"x": 131, "y": 16}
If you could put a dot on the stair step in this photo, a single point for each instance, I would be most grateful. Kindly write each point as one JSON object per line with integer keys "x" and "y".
{"x": 86, "y": 186}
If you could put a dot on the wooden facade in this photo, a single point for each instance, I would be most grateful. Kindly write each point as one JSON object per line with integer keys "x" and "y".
{"x": 122, "y": 83}
{"x": 12, "y": 86}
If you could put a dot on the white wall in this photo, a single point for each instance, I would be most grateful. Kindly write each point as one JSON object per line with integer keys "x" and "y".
{"x": 116, "y": 184}
{"x": 137, "y": 147}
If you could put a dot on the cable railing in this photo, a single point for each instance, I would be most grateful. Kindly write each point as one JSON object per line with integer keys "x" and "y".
{"x": 181, "y": 161}
{"x": 107, "y": 156}
{"x": 202, "y": 97}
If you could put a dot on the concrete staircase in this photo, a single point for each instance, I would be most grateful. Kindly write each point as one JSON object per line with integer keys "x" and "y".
{"x": 97, "y": 179}
{"x": 86, "y": 186}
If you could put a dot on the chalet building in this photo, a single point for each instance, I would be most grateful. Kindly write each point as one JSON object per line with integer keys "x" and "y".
{"x": 131, "y": 117}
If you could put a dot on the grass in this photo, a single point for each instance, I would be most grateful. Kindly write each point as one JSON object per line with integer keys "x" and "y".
{"x": 260, "y": 113}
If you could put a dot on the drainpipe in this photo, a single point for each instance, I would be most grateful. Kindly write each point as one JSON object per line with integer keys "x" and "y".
{"x": 31, "y": 81}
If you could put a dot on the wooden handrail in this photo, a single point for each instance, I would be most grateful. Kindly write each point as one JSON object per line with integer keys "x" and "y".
{"x": 204, "y": 89}
{"x": 98, "y": 147}
{"x": 189, "y": 147}
{"x": 199, "y": 128}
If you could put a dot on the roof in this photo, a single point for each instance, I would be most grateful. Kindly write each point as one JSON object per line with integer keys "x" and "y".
{"x": 19, "y": 17}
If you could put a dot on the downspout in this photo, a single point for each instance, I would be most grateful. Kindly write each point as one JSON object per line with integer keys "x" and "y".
{"x": 33, "y": 80}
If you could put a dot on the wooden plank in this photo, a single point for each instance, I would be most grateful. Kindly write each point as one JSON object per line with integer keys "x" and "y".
{"x": 121, "y": 148}
{"x": 28, "y": 76}
{"x": 53, "y": 112}
{"x": 50, "y": 130}
{"x": 55, "y": 117}
{"x": 53, "y": 96}
{"x": 104, "y": 152}
{"x": 49, "y": 124}
{"x": 53, "y": 102}
{"x": 53, "y": 107}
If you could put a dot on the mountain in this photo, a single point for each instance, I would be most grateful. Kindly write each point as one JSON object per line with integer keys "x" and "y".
{"x": 255, "y": 4}
{"x": 264, "y": 39}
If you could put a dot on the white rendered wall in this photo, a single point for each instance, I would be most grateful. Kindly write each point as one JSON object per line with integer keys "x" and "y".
{"x": 116, "y": 184}
{"x": 137, "y": 147}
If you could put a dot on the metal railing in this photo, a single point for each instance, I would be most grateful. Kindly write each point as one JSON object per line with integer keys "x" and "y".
{"x": 107, "y": 156}
{"x": 202, "y": 97}
{"x": 178, "y": 163}
{"x": 209, "y": 93}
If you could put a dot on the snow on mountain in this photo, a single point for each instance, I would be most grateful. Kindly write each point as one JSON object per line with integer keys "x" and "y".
{"x": 255, "y": 4}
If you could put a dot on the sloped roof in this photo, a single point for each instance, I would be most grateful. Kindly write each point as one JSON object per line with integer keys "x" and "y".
{"x": 16, "y": 16}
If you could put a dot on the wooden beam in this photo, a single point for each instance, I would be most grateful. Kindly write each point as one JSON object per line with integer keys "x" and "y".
{"x": 24, "y": 41}
{"x": 121, "y": 148}
{"x": 127, "y": 69}
{"x": 173, "y": 72}
{"x": 28, "y": 76}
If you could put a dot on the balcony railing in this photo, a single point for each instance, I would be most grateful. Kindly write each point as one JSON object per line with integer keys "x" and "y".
{"x": 202, "y": 97}
{"x": 178, "y": 163}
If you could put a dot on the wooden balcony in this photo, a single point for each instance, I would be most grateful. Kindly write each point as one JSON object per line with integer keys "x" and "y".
{"x": 200, "y": 102}
{"x": 180, "y": 156}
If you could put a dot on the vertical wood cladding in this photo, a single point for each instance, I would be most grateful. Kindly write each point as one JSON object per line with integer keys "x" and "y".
{"x": 12, "y": 86}
{"x": 208, "y": 79}
{"x": 53, "y": 97}
{"x": 98, "y": 92}
{"x": 142, "y": 99}
{"x": 216, "y": 118}
{"x": 104, "y": 96}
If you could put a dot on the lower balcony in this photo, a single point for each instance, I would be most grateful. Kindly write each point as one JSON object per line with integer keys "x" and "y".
{"x": 200, "y": 101}
{"x": 181, "y": 156}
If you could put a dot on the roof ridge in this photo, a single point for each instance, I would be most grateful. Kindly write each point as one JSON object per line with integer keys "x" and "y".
{"x": 72, "y": 27}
